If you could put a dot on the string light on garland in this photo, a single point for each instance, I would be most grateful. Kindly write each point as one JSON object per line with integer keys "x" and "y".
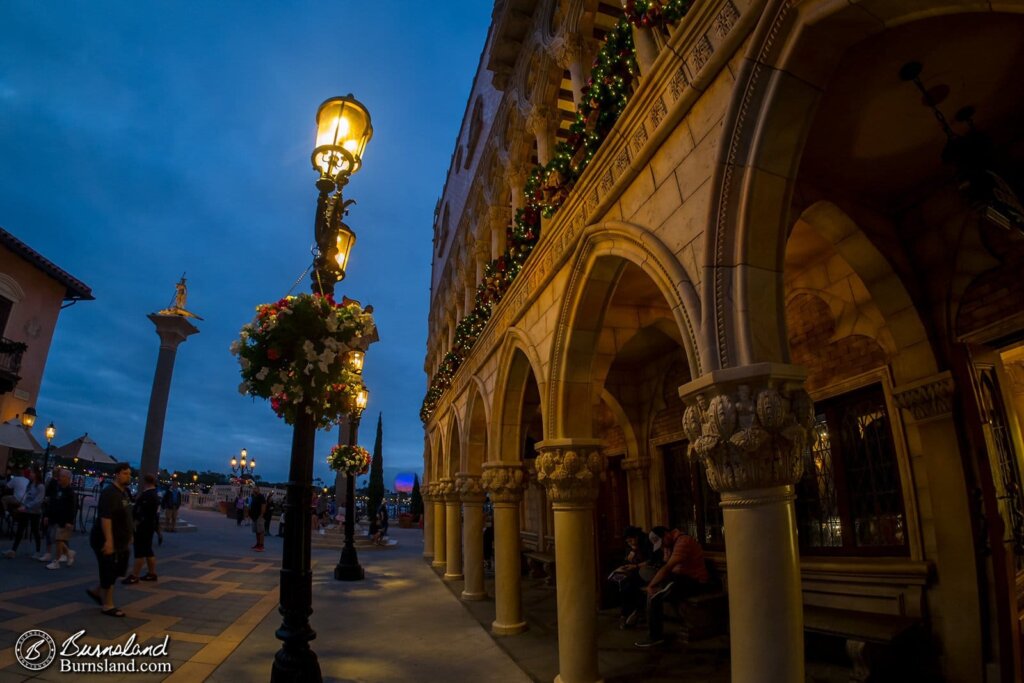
{"x": 613, "y": 79}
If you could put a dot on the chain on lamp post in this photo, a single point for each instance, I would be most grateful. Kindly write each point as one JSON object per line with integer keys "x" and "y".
{"x": 343, "y": 129}
{"x": 348, "y": 567}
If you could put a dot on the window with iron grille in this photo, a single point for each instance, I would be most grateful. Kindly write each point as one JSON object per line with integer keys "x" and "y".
{"x": 849, "y": 500}
{"x": 693, "y": 506}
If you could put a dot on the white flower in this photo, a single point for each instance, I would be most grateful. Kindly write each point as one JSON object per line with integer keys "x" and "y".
{"x": 276, "y": 388}
{"x": 310, "y": 350}
{"x": 326, "y": 358}
{"x": 236, "y": 346}
{"x": 331, "y": 343}
{"x": 309, "y": 410}
{"x": 243, "y": 388}
{"x": 244, "y": 362}
{"x": 309, "y": 368}
{"x": 283, "y": 375}
{"x": 332, "y": 323}
{"x": 262, "y": 374}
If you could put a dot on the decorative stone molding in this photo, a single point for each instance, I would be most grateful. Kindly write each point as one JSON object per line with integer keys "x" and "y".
{"x": 640, "y": 465}
{"x": 570, "y": 470}
{"x": 504, "y": 482}
{"x": 470, "y": 488}
{"x": 749, "y": 425}
{"x": 927, "y": 399}
{"x": 427, "y": 492}
{"x": 446, "y": 491}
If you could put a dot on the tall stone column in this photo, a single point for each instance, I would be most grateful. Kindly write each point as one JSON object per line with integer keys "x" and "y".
{"x": 453, "y": 530}
{"x": 499, "y": 217}
{"x": 749, "y": 426}
{"x": 426, "y": 491}
{"x": 440, "y": 551}
{"x": 505, "y": 483}
{"x": 516, "y": 184}
{"x": 570, "y": 471}
{"x": 471, "y": 493}
{"x": 172, "y": 330}
{"x": 543, "y": 122}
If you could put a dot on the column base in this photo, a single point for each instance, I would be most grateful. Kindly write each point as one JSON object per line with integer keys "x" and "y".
{"x": 436, "y": 564}
{"x": 507, "y": 629}
{"x": 474, "y": 596}
{"x": 349, "y": 572}
{"x": 452, "y": 577}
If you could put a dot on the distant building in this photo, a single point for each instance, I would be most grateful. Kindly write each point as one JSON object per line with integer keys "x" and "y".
{"x": 33, "y": 290}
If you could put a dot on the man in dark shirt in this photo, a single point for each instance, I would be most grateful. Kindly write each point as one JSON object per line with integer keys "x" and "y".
{"x": 146, "y": 514}
{"x": 111, "y": 536}
{"x": 256, "y": 515}
{"x": 60, "y": 513}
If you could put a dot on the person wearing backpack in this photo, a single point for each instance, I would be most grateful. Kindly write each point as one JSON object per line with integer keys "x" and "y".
{"x": 170, "y": 503}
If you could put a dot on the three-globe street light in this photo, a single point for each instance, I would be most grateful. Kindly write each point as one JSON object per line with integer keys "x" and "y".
{"x": 343, "y": 129}
{"x": 243, "y": 467}
{"x": 348, "y": 567}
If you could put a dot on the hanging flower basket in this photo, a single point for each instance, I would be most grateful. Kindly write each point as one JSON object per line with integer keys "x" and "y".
{"x": 294, "y": 354}
{"x": 349, "y": 460}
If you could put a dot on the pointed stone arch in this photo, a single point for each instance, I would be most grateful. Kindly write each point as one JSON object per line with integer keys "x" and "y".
{"x": 453, "y": 453}
{"x": 475, "y": 439}
{"x": 518, "y": 361}
{"x": 604, "y": 249}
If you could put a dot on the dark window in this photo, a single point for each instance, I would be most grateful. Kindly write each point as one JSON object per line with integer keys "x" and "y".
{"x": 5, "y": 313}
{"x": 693, "y": 506}
{"x": 849, "y": 500}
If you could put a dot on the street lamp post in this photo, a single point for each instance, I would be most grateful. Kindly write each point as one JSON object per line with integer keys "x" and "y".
{"x": 343, "y": 129}
{"x": 239, "y": 467}
{"x": 348, "y": 567}
{"x": 50, "y": 433}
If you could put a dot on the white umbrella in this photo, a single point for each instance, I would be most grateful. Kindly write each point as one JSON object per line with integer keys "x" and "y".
{"x": 84, "y": 448}
{"x": 14, "y": 435}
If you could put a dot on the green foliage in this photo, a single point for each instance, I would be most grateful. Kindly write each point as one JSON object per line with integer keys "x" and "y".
{"x": 376, "y": 489}
{"x": 416, "y": 504}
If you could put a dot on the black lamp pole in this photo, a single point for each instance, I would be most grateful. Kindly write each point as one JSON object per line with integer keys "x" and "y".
{"x": 335, "y": 157}
{"x": 348, "y": 567}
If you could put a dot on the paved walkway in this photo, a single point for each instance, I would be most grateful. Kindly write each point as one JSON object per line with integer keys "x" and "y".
{"x": 216, "y": 600}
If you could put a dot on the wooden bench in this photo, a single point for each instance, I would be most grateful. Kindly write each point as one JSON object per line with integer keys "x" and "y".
{"x": 541, "y": 566}
{"x": 881, "y": 647}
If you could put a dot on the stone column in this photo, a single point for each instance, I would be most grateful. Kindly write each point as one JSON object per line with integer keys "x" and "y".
{"x": 172, "y": 330}
{"x": 570, "y": 471}
{"x": 646, "y": 49}
{"x": 440, "y": 553}
{"x": 499, "y": 222}
{"x": 542, "y": 122}
{"x": 569, "y": 56}
{"x": 472, "y": 495}
{"x": 516, "y": 184}
{"x": 453, "y": 530}
{"x": 749, "y": 426}
{"x": 426, "y": 491}
{"x": 505, "y": 482}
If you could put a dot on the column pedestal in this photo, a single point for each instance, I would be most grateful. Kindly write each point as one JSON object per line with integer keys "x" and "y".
{"x": 505, "y": 484}
{"x": 472, "y": 495}
{"x": 571, "y": 472}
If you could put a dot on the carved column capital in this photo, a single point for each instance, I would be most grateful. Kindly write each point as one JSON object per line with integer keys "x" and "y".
{"x": 571, "y": 470}
{"x": 470, "y": 488}
{"x": 446, "y": 491}
{"x": 928, "y": 399}
{"x": 504, "y": 481}
{"x": 749, "y": 425}
{"x": 542, "y": 120}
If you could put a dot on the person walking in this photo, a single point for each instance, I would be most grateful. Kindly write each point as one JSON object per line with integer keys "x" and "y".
{"x": 111, "y": 537}
{"x": 239, "y": 509}
{"x": 256, "y": 515}
{"x": 146, "y": 514}
{"x": 382, "y": 521}
{"x": 170, "y": 503}
{"x": 61, "y": 518}
{"x": 49, "y": 531}
{"x": 29, "y": 513}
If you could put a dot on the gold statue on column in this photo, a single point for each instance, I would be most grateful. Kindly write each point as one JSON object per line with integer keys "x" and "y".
{"x": 177, "y": 306}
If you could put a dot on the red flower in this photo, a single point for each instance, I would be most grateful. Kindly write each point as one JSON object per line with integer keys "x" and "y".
{"x": 273, "y": 353}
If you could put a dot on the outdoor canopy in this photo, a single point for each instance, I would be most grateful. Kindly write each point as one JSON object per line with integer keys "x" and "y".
{"x": 84, "y": 448}
{"x": 14, "y": 435}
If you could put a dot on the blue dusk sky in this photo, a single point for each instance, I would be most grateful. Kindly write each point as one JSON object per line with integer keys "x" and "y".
{"x": 140, "y": 140}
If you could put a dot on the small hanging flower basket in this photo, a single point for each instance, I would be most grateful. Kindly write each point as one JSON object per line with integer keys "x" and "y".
{"x": 350, "y": 460}
{"x": 294, "y": 354}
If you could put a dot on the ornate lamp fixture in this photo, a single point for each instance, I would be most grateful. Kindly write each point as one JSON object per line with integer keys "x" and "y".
{"x": 973, "y": 157}
{"x": 28, "y": 418}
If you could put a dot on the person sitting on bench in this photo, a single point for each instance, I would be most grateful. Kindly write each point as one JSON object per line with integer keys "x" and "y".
{"x": 683, "y": 574}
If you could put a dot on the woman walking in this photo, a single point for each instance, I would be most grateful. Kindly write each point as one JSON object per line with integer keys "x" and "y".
{"x": 29, "y": 512}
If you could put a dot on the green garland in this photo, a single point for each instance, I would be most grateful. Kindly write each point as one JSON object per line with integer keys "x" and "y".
{"x": 612, "y": 80}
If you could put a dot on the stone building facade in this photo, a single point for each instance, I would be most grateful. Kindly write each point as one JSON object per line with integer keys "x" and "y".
{"x": 765, "y": 287}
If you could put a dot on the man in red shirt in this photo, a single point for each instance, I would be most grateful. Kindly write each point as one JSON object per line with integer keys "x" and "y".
{"x": 682, "y": 575}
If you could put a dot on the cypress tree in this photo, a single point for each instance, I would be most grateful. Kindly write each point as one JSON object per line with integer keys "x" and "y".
{"x": 416, "y": 504}
{"x": 376, "y": 489}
